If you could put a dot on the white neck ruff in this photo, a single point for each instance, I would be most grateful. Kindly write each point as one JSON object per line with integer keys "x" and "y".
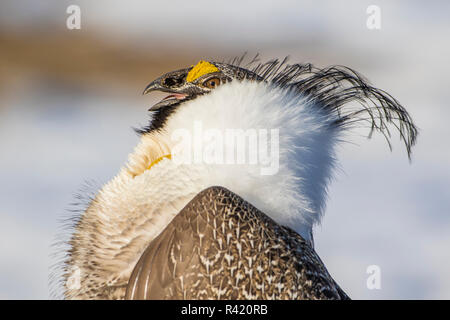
{"x": 291, "y": 191}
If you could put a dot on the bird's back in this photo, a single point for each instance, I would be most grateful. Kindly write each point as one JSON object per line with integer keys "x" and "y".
{"x": 221, "y": 247}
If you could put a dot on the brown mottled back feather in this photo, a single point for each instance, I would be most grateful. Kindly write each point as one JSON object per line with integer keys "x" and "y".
{"x": 221, "y": 247}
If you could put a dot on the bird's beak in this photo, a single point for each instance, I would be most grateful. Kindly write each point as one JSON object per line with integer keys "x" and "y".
{"x": 173, "y": 83}
{"x": 153, "y": 86}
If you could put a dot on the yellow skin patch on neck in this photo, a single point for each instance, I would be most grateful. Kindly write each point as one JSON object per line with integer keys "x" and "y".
{"x": 200, "y": 69}
{"x": 167, "y": 156}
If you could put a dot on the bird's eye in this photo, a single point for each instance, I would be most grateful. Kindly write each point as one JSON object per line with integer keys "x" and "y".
{"x": 211, "y": 83}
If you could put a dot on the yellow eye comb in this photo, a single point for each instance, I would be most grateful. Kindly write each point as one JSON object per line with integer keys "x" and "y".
{"x": 200, "y": 69}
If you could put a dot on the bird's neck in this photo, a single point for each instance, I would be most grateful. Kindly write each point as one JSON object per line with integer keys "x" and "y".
{"x": 156, "y": 184}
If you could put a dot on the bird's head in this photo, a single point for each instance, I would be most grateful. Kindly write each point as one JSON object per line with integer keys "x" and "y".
{"x": 187, "y": 84}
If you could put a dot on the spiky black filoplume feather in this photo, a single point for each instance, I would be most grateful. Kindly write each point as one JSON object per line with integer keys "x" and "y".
{"x": 334, "y": 89}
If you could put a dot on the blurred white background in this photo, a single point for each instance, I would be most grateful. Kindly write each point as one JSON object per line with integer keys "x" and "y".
{"x": 68, "y": 100}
